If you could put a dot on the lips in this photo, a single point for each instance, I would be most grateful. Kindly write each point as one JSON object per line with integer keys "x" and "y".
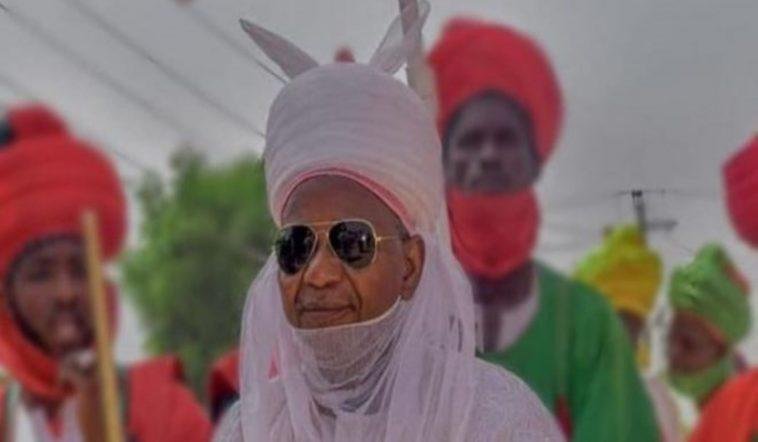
{"x": 324, "y": 317}
{"x": 69, "y": 331}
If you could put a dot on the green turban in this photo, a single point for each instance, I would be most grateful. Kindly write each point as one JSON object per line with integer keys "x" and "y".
{"x": 712, "y": 288}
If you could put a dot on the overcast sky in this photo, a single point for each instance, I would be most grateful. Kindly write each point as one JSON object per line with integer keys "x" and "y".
{"x": 658, "y": 93}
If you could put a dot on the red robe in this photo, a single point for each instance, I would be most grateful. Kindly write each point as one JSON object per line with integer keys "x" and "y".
{"x": 732, "y": 414}
{"x": 159, "y": 407}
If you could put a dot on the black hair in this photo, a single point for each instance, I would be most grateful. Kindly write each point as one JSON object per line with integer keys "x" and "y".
{"x": 6, "y": 133}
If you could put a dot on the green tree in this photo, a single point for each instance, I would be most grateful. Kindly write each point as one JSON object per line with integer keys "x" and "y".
{"x": 203, "y": 239}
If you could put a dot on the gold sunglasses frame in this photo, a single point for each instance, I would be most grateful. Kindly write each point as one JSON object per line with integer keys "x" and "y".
{"x": 313, "y": 228}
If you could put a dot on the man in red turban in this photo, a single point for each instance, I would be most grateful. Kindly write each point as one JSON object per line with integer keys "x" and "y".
{"x": 500, "y": 114}
{"x": 732, "y": 412}
{"x": 47, "y": 179}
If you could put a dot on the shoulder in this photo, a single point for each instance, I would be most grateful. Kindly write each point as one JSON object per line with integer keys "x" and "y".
{"x": 159, "y": 399}
{"x": 744, "y": 382}
{"x": 151, "y": 380}
{"x": 555, "y": 281}
{"x": 733, "y": 413}
{"x": 588, "y": 309}
{"x": 230, "y": 427}
{"x": 738, "y": 392}
{"x": 508, "y": 408}
{"x": 166, "y": 368}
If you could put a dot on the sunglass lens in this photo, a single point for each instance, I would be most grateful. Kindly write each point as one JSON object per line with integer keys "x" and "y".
{"x": 293, "y": 247}
{"x": 353, "y": 242}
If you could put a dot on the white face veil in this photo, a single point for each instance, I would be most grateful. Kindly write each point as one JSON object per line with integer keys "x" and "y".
{"x": 408, "y": 375}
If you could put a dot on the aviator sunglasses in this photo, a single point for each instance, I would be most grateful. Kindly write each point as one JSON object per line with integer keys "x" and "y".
{"x": 353, "y": 241}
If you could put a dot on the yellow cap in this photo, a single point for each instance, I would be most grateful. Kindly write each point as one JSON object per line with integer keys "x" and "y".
{"x": 624, "y": 270}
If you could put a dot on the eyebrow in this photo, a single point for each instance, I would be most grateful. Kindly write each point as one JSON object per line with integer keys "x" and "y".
{"x": 41, "y": 261}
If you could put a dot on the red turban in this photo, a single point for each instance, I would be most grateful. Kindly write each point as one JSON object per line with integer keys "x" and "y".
{"x": 47, "y": 178}
{"x": 741, "y": 183}
{"x": 472, "y": 57}
{"x": 34, "y": 121}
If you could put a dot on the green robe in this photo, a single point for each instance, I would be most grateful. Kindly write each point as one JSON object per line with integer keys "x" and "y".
{"x": 577, "y": 358}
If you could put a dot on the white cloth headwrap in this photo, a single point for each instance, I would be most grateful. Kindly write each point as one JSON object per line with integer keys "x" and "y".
{"x": 359, "y": 122}
{"x": 349, "y": 119}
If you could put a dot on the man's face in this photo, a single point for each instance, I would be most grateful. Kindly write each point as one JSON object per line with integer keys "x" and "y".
{"x": 328, "y": 292}
{"x": 691, "y": 345}
{"x": 489, "y": 147}
{"x": 48, "y": 295}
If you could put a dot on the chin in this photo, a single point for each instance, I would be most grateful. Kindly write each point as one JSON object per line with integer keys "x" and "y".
{"x": 74, "y": 347}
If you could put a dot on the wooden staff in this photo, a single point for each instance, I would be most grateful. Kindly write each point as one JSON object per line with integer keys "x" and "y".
{"x": 106, "y": 370}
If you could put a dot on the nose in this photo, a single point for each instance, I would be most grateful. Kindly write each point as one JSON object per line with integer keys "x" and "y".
{"x": 67, "y": 288}
{"x": 489, "y": 151}
{"x": 325, "y": 268}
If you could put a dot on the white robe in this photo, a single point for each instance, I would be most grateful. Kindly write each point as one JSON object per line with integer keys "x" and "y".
{"x": 505, "y": 410}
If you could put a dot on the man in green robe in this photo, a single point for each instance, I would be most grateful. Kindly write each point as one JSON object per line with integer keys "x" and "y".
{"x": 629, "y": 273}
{"x": 499, "y": 116}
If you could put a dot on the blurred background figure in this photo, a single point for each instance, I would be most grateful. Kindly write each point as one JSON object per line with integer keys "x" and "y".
{"x": 629, "y": 274}
{"x": 709, "y": 298}
{"x": 732, "y": 413}
{"x": 500, "y": 113}
{"x": 48, "y": 178}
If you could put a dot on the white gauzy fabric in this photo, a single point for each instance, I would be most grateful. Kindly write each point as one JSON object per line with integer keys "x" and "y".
{"x": 411, "y": 374}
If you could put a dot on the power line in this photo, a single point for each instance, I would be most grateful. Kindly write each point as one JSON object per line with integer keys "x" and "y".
{"x": 16, "y": 87}
{"x": 131, "y": 161}
{"x": 206, "y": 23}
{"x": 682, "y": 247}
{"x": 38, "y": 31}
{"x": 173, "y": 74}
{"x": 29, "y": 95}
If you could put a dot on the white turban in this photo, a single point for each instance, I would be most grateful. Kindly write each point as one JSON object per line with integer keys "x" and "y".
{"x": 349, "y": 119}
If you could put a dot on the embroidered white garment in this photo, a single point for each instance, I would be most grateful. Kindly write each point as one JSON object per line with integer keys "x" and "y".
{"x": 504, "y": 403}
{"x": 411, "y": 374}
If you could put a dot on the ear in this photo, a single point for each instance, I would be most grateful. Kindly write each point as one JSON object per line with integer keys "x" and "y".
{"x": 415, "y": 255}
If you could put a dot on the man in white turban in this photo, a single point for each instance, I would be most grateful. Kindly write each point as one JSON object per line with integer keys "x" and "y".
{"x": 360, "y": 326}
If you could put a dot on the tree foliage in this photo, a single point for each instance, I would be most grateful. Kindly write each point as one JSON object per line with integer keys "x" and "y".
{"x": 203, "y": 239}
